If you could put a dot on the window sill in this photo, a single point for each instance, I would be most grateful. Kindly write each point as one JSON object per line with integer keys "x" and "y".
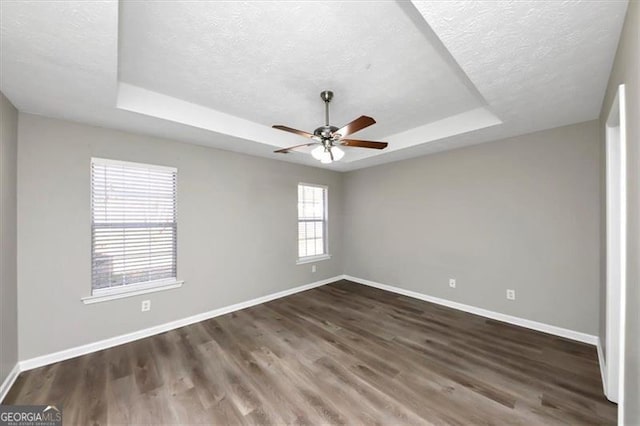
{"x": 311, "y": 259}
{"x": 129, "y": 292}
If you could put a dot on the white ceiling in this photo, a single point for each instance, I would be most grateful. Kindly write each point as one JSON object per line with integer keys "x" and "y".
{"x": 435, "y": 75}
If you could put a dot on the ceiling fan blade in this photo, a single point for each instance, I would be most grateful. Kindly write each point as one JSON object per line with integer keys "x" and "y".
{"x": 291, "y": 130}
{"x": 355, "y": 126}
{"x": 363, "y": 144}
{"x": 291, "y": 148}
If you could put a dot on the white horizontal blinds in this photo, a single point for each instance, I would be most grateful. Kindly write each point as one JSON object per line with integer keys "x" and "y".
{"x": 312, "y": 220}
{"x": 133, "y": 223}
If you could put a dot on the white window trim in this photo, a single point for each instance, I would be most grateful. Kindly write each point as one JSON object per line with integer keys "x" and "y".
{"x": 99, "y": 160}
{"x": 310, "y": 259}
{"x": 106, "y": 294}
{"x": 121, "y": 292}
{"x": 327, "y": 255}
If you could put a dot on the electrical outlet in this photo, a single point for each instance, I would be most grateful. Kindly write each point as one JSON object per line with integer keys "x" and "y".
{"x": 313, "y": 269}
{"x": 511, "y": 294}
{"x": 146, "y": 305}
{"x": 452, "y": 282}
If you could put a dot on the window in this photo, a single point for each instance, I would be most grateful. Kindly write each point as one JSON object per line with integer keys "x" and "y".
{"x": 312, "y": 222}
{"x": 133, "y": 226}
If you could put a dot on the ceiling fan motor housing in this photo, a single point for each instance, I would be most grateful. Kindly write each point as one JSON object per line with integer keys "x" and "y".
{"x": 325, "y": 132}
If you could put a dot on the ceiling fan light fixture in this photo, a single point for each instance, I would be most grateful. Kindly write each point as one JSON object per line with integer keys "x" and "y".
{"x": 337, "y": 153}
{"x": 324, "y": 154}
{"x": 327, "y": 159}
{"x": 317, "y": 152}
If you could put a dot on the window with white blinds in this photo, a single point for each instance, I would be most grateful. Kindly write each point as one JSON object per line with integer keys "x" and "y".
{"x": 312, "y": 220}
{"x": 133, "y": 225}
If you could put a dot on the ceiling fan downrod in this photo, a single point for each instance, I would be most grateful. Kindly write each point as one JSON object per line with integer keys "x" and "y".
{"x": 326, "y": 96}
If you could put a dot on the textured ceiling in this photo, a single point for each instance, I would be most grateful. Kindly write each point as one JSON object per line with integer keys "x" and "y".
{"x": 248, "y": 60}
{"x": 435, "y": 75}
{"x": 545, "y": 60}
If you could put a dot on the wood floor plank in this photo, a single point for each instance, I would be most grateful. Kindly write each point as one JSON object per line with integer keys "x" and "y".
{"x": 338, "y": 354}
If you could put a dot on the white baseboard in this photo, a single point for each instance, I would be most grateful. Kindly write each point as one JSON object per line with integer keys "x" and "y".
{"x": 40, "y": 361}
{"x": 603, "y": 366}
{"x": 141, "y": 334}
{"x": 8, "y": 382}
{"x": 534, "y": 325}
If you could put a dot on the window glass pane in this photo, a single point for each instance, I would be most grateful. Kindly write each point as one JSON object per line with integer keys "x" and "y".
{"x": 318, "y": 210}
{"x": 134, "y": 229}
{"x": 311, "y": 230}
{"x": 311, "y": 220}
{"x": 311, "y": 247}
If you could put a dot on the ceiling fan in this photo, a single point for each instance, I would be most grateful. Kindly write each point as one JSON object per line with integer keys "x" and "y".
{"x": 329, "y": 138}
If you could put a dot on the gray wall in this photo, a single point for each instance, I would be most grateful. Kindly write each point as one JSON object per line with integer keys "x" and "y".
{"x": 626, "y": 69}
{"x": 8, "y": 282}
{"x": 237, "y": 232}
{"x": 520, "y": 213}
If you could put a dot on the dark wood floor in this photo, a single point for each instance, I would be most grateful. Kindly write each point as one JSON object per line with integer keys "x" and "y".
{"x": 339, "y": 354}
